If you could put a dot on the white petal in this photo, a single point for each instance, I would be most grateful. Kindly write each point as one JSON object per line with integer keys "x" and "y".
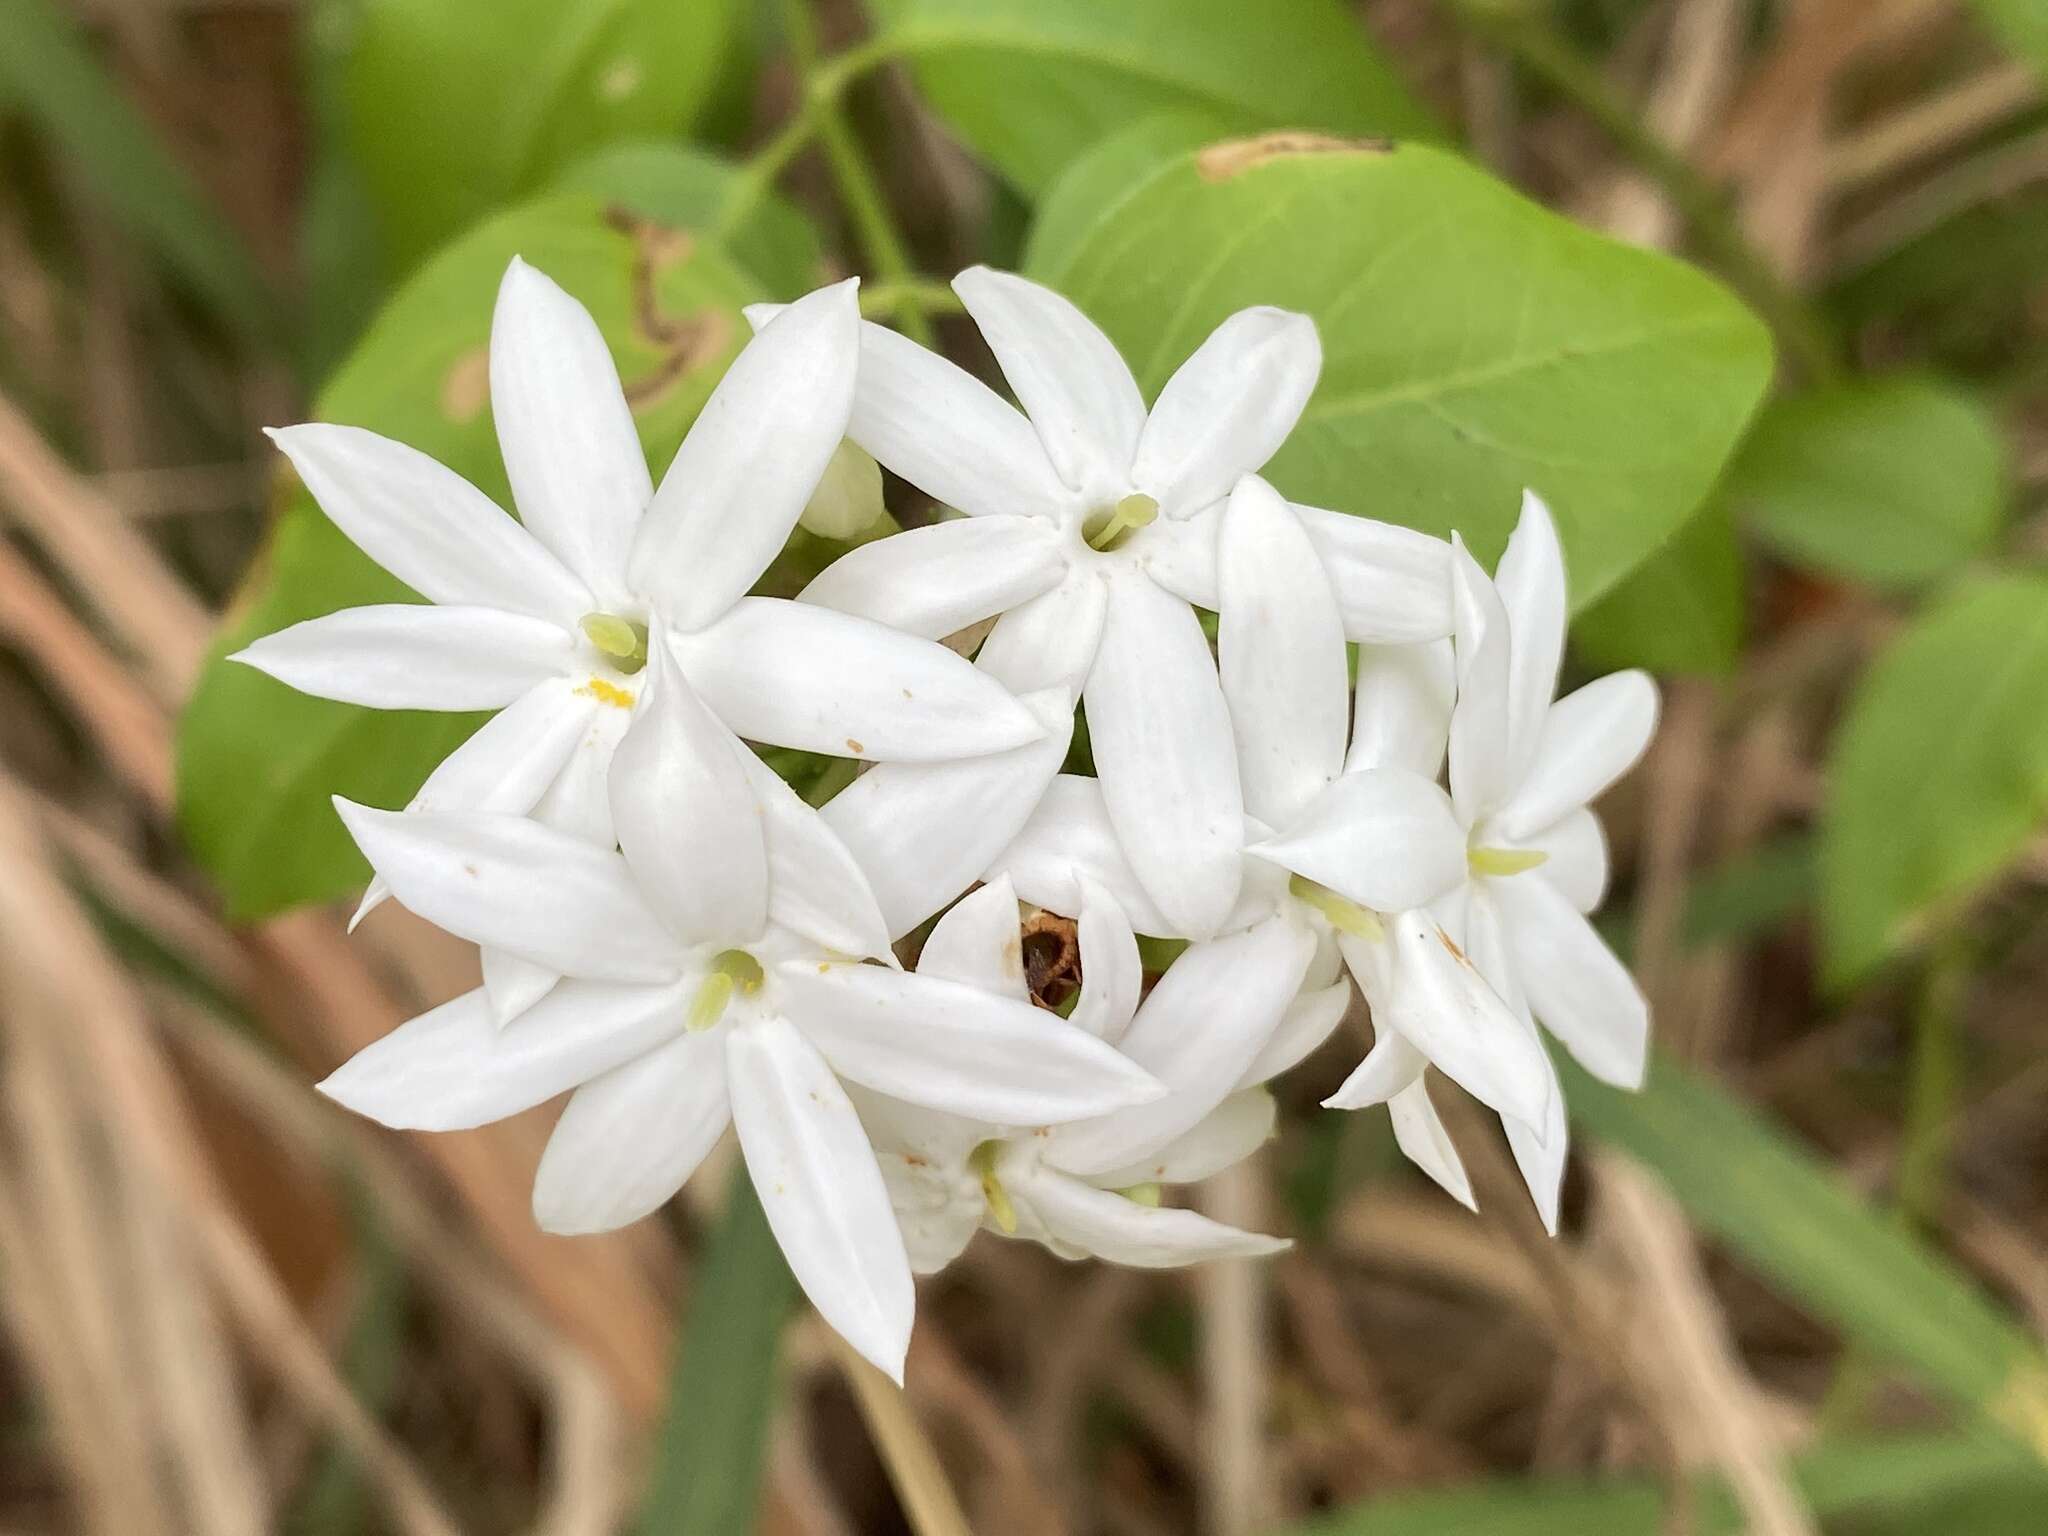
{"x": 579, "y": 801}
{"x": 1402, "y": 717}
{"x": 1180, "y": 554}
{"x": 1112, "y": 974}
{"x": 797, "y": 675}
{"x": 1420, "y": 1134}
{"x": 1393, "y": 1065}
{"x": 1577, "y": 988}
{"x": 1577, "y": 864}
{"x": 979, "y": 943}
{"x": 1540, "y": 1153}
{"x": 750, "y": 461}
{"x": 1125, "y": 1232}
{"x": 1479, "y": 723}
{"x": 938, "y": 1206}
{"x": 924, "y": 832}
{"x": 579, "y": 476}
{"x": 514, "y": 884}
{"x": 1385, "y": 838}
{"x": 1530, "y": 579}
{"x": 688, "y": 820}
{"x": 955, "y": 1047}
{"x": 824, "y": 1197}
{"x": 815, "y": 885}
{"x": 1068, "y": 842}
{"x": 1308, "y": 1022}
{"x": 514, "y": 985}
{"x": 1050, "y": 641}
{"x": 1197, "y": 1031}
{"x": 1393, "y": 584}
{"x": 1165, "y": 756}
{"x": 1434, "y": 998}
{"x": 937, "y": 580}
{"x": 1066, "y": 374}
{"x": 1590, "y": 738}
{"x": 454, "y": 1068}
{"x": 428, "y": 526}
{"x": 414, "y": 656}
{"x": 1228, "y": 408}
{"x": 630, "y": 1139}
{"x": 1280, "y": 651}
{"x": 1226, "y": 1136}
{"x": 947, "y": 433}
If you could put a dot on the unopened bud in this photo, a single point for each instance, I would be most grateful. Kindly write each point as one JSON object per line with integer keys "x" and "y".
{"x": 848, "y": 500}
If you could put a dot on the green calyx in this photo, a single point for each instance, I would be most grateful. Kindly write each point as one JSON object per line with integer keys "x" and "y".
{"x": 1346, "y": 916}
{"x": 1504, "y": 861}
{"x": 983, "y": 1161}
{"x": 624, "y": 640}
{"x": 1109, "y": 530}
{"x": 732, "y": 970}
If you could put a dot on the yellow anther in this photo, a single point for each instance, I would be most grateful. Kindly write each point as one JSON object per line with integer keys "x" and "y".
{"x": 983, "y": 1161}
{"x": 1107, "y": 531}
{"x": 731, "y": 970}
{"x": 606, "y": 693}
{"x": 1504, "y": 861}
{"x": 624, "y": 640}
{"x": 1345, "y": 915}
{"x": 1142, "y": 1194}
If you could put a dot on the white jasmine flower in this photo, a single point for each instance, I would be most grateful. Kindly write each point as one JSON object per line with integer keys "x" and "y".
{"x": 546, "y": 619}
{"x": 707, "y": 980}
{"x": 1349, "y": 849}
{"x": 1091, "y": 530}
{"x": 1092, "y": 1187}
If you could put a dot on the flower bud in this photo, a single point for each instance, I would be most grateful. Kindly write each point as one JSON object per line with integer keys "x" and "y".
{"x": 848, "y": 500}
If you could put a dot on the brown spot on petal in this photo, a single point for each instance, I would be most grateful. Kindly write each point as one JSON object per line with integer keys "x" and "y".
{"x": 854, "y": 747}
{"x": 1220, "y": 162}
{"x": 466, "y": 386}
{"x": 1449, "y": 943}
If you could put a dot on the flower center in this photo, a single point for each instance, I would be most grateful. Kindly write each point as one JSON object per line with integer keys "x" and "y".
{"x": 1345, "y": 915}
{"x": 1112, "y": 527}
{"x": 731, "y": 969}
{"x": 622, "y": 639}
{"x": 1504, "y": 861}
{"x": 983, "y": 1161}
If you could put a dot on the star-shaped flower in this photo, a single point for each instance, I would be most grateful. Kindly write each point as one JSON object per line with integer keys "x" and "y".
{"x": 1092, "y": 1187}
{"x": 709, "y": 980}
{"x": 546, "y": 619}
{"x": 1091, "y": 531}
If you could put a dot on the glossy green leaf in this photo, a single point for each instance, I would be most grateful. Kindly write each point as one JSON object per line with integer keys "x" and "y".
{"x": 454, "y": 106}
{"x": 1939, "y": 774}
{"x": 686, "y": 188}
{"x": 706, "y": 1479}
{"x": 1792, "y": 1219}
{"x": 1090, "y": 190}
{"x": 1890, "y": 482}
{"x": 1030, "y": 84}
{"x": 1473, "y": 343}
{"x": 257, "y": 761}
{"x": 50, "y": 75}
{"x": 1681, "y": 610}
{"x": 1896, "y": 1487}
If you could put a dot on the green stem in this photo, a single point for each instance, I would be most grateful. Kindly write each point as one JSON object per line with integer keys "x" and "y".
{"x": 1697, "y": 199}
{"x": 927, "y": 295}
{"x": 859, "y": 190}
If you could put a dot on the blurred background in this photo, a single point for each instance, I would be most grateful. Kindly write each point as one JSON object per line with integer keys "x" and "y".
{"x": 1803, "y": 1283}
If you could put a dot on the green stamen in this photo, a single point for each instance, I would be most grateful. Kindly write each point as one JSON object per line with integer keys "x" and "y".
{"x": 624, "y": 640}
{"x": 1504, "y": 861}
{"x": 1142, "y": 1194}
{"x": 731, "y": 970}
{"x": 983, "y": 1161}
{"x": 1345, "y": 916}
{"x": 1108, "y": 531}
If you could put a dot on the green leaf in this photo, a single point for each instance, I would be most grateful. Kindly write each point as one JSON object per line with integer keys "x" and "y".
{"x": 1744, "y": 1183}
{"x": 2022, "y": 25}
{"x": 1901, "y": 1487}
{"x": 685, "y": 188}
{"x": 456, "y": 105}
{"x": 50, "y": 74}
{"x": 1473, "y": 343}
{"x": 1939, "y": 773}
{"x": 1681, "y": 610}
{"x": 707, "y": 1469}
{"x": 1090, "y": 190}
{"x": 1892, "y": 482}
{"x": 257, "y": 761}
{"x": 1030, "y": 84}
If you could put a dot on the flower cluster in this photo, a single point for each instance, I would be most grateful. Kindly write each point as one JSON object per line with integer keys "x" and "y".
{"x": 677, "y": 940}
